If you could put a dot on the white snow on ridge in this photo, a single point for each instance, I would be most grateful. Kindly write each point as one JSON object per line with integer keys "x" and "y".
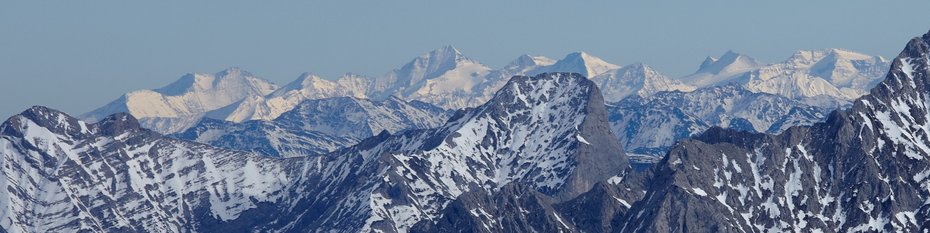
{"x": 179, "y": 104}
{"x": 835, "y": 73}
{"x": 636, "y": 79}
{"x": 155, "y": 179}
{"x": 446, "y": 78}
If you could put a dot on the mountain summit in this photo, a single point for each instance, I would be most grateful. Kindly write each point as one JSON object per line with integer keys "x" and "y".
{"x": 723, "y": 70}
{"x": 181, "y": 103}
{"x": 636, "y": 79}
{"x": 581, "y": 63}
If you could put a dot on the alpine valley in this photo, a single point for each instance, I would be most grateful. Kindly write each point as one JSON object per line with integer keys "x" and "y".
{"x": 826, "y": 141}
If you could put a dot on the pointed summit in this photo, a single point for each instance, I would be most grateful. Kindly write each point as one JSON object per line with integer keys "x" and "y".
{"x": 730, "y": 62}
{"x": 50, "y": 119}
{"x": 442, "y": 77}
{"x": 707, "y": 62}
{"x": 305, "y": 80}
{"x": 432, "y": 64}
{"x": 582, "y": 63}
{"x": 447, "y": 51}
{"x": 723, "y": 70}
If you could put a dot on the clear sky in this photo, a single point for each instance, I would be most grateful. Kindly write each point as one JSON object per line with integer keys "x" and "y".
{"x": 78, "y": 55}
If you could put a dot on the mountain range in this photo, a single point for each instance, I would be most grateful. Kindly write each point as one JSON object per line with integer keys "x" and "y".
{"x": 740, "y": 150}
{"x": 650, "y": 125}
{"x": 317, "y": 126}
{"x": 444, "y": 77}
{"x": 548, "y": 133}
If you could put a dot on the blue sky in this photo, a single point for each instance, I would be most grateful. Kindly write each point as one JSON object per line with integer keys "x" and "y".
{"x": 78, "y": 55}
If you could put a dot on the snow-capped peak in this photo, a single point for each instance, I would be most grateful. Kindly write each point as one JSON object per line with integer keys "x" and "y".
{"x": 839, "y": 66}
{"x": 837, "y": 73}
{"x": 305, "y": 81}
{"x": 447, "y": 51}
{"x": 582, "y": 63}
{"x": 181, "y": 103}
{"x": 730, "y": 62}
{"x": 831, "y": 54}
{"x": 721, "y": 70}
{"x": 431, "y": 65}
{"x": 638, "y": 79}
{"x": 526, "y": 61}
{"x": 230, "y": 78}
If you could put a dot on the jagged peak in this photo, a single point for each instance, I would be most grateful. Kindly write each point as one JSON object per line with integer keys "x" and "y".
{"x": 730, "y": 61}
{"x": 305, "y": 80}
{"x": 521, "y": 85}
{"x": 521, "y": 80}
{"x": 55, "y": 121}
{"x": 585, "y": 57}
{"x": 909, "y": 71}
{"x": 707, "y": 62}
{"x": 447, "y": 53}
{"x": 730, "y": 53}
{"x": 40, "y": 113}
{"x": 433, "y": 64}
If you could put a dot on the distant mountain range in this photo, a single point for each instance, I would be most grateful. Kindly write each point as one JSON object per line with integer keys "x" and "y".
{"x": 444, "y": 77}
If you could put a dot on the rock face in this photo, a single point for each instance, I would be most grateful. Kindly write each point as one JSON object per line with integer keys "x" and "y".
{"x": 864, "y": 169}
{"x": 181, "y": 104}
{"x": 59, "y": 174}
{"x": 317, "y": 126}
{"x": 650, "y": 125}
{"x": 547, "y": 132}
